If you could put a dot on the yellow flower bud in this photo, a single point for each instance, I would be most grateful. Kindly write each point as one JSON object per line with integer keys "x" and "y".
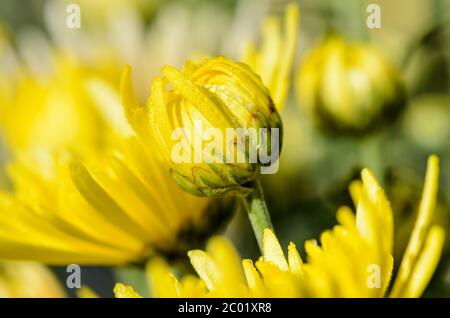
{"x": 349, "y": 87}
{"x": 197, "y": 117}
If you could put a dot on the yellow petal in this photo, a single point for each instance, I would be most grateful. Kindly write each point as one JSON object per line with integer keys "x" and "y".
{"x": 192, "y": 286}
{"x": 273, "y": 252}
{"x": 123, "y": 291}
{"x": 99, "y": 199}
{"x": 224, "y": 254}
{"x": 346, "y": 217}
{"x": 160, "y": 279}
{"x": 426, "y": 208}
{"x": 206, "y": 268}
{"x": 197, "y": 97}
{"x": 107, "y": 102}
{"x": 426, "y": 263}
{"x": 295, "y": 261}
{"x": 286, "y": 58}
{"x": 355, "y": 190}
{"x": 129, "y": 99}
{"x": 254, "y": 280}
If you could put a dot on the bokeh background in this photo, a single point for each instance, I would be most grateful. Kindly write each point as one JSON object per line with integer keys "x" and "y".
{"x": 315, "y": 167}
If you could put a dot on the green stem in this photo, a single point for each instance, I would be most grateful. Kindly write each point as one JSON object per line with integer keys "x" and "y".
{"x": 258, "y": 213}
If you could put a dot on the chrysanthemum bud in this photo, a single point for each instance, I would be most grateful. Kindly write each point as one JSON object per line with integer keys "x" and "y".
{"x": 349, "y": 87}
{"x": 215, "y": 126}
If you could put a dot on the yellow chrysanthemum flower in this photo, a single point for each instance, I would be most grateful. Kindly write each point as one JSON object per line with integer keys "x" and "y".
{"x": 28, "y": 280}
{"x": 273, "y": 61}
{"x": 352, "y": 260}
{"x": 113, "y": 211}
{"x": 188, "y": 118}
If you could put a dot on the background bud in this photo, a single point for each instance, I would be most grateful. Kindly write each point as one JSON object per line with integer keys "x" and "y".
{"x": 216, "y": 95}
{"x": 349, "y": 87}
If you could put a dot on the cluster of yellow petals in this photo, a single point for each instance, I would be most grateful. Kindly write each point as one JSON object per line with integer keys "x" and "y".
{"x": 342, "y": 265}
{"x": 110, "y": 212}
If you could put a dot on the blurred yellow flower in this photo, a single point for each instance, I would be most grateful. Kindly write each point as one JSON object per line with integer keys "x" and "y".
{"x": 217, "y": 94}
{"x": 273, "y": 61}
{"x": 73, "y": 106}
{"x": 28, "y": 280}
{"x": 349, "y": 87}
{"x": 353, "y": 260}
{"x": 113, "y": 210}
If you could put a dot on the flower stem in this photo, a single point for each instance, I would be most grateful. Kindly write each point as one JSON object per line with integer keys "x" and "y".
{"x": 258, "y": 214}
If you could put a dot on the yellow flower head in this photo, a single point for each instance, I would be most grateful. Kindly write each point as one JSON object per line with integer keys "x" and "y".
{"x": 349, "y": 87}
{"x": 216, "y": 96}
{"x": 273, "y": 61}
{"x": 81, "y": 193}
{"x": 354, "y": 259}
